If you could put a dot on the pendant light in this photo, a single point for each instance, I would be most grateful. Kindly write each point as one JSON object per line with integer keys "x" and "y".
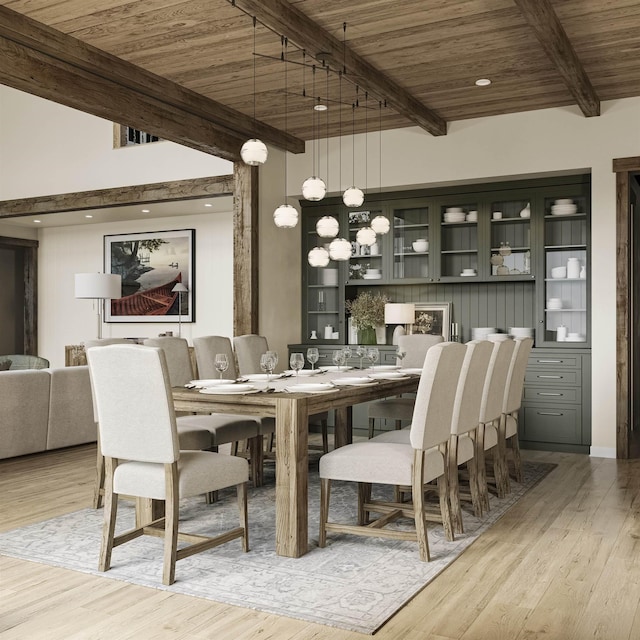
{"x": 286, "y": 215}
{"x": 327, "y": 227}
{"x": 313, "y": 188}
{"x": 340, "y": 249}
{"x": 353, "y": 196}
{"x": 318, "y": 257}
{"x": 380, "y": 224}
{"x": 254, "y": 152}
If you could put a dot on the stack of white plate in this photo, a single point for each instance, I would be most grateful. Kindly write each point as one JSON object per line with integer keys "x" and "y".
{"x": 521, "y": 332}
{"x": 454, "y": 214}
{"x": 575, "y": 337}
{"x": 563, "y": 208}
{"x": 498, "y": 337}
{"x": 481, "y": 333}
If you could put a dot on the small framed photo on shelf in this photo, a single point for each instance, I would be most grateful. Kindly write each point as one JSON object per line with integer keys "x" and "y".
{"x": 433, "y": 318}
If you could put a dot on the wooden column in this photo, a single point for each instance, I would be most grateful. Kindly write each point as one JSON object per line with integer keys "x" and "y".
{"x": 245, "y": 249}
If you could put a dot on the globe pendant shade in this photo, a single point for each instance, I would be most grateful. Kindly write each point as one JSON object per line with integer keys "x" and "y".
{"x": 340, "y": 249}
{"x": 254, "y": 152}
{"x": 285, "y": 216}
{"x": 314, "y": 189}
{"x": 366, "y": 236}
{"x": 381, "y": 224}
{"x": 353, "y": 197}
{"x": 318, "y": 257}
{"x": 327, "y": 227}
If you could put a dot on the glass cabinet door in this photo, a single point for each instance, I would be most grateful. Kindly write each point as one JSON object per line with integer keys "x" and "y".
{"x": 412, "y": 248}
{"x": 566, "y": 319}
{"x": 459, "y": 240}
{"x": 510, "y": 238}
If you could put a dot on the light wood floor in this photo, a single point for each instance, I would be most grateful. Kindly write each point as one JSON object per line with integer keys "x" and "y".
{"x": 563, "y": 564}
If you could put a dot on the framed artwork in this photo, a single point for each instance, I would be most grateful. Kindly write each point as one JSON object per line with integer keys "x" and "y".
{"x": 151, "y": 265}
{"x": 433, "y": 318}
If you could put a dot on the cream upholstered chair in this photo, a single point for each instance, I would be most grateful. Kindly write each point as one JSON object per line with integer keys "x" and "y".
{"x": 248, "y": 350}
{"x": 223, "y": 428}
{"x": 512, "y": 401}
{"x": 398, "y": 409}
{"x": 414, "y": 464}
{"x": 139, "y": 440}
{"x": 206, "y": 348}
{"x": 103, "y": 342}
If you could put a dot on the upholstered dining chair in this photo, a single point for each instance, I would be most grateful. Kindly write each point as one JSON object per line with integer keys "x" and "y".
{"x": 248, "y": 350}
{"x": 206, "y": 348}
{"x": 414, "y": 464}
{"x": 223, "y": 428}
{"x": 139, "y": 440}
{"x": 415, "y": 346}
{"x": 512, "y": 401}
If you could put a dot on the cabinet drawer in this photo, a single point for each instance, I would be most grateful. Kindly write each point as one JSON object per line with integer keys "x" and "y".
{"x": 552, "y": 424}
{"x": 572, "y": 362}
{"x": 559, "y": 394}
{"x": 552, "y": 376}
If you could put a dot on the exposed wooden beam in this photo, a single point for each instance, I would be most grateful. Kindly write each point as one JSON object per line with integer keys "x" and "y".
{"x": 541, "y": 17}
{"x": 120, "y": 196}
{"x": 31, "y": 48}
{"x": 286, "y": 19}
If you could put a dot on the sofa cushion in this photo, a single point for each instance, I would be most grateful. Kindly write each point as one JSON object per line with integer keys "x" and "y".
{"x": 24, "y": 412}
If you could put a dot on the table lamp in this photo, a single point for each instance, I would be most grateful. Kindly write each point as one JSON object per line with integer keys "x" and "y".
{"x": 400, "y": 314}
{"x": 100, "y": 287}
{"x": 179, "y": 288}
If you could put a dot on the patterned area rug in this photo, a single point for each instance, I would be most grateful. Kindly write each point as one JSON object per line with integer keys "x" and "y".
{"x": 348, "y": 584}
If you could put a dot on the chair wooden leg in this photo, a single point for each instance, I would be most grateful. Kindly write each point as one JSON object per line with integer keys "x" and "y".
{"x": 418, "y": 506}
{"x": 325, "y": 496}
{"x": 170, "y": 523}
{"x": 445, "y": 505}
{"x": 454, "y": 488}
{"x": 325, "y": 436}
{"x": 110, "y": 513}
{"x": 476, "y": 499}
{"x": 482, "y": 472}
{"x": 517, "y": 460}
{"x": 98, "y": 490}
{"x": 372, "y": 424}
{"x": 502, "y": 465}
{"x": 244, "y": 519}
{"x": 364, "y": 496}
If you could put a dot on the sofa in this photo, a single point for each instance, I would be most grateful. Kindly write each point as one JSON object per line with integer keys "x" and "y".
{"x": 45, "y": 409}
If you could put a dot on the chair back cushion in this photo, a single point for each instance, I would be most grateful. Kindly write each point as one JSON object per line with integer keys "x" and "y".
{"x": 103, "y": 342}
{"x": 466, "y": 406}
{"x": 249, "y": 348}
{"x": 515, "y": 376}
{"x": 206, "y": 348}
{"x": 133, "y": 402}
{"x": 416, "y": 347}
{"x": 496, "y": 380}
{"x": 176, "y": 351}
{"x": 431, "y": 422}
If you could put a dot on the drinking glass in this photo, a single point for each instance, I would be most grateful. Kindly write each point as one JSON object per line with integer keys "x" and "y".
{"x": 400, "y": 354}
{"x": 297, "y": 362}
{"x": 372, "y": 356}
{"x": 267, "y": 364}
{"x": 312, "y": 356}
{"x": 221, "y": 363}
{"x": 347, "y": 354}
{"x": 361, "y": 352}
{"x": 274, "y": 355}
{"x": 338, "y": 358}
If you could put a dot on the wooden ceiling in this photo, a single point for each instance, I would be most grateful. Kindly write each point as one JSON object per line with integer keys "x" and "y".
{"x": 421, "y": 57}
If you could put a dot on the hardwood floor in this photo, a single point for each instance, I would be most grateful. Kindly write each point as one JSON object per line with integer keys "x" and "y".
{"x": 563, "y": 564}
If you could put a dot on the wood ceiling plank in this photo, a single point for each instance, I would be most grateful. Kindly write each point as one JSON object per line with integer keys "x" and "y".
{"x": 553, "y": 38}
{"x": 93, "y": 63}
{"x": 288, "y": 20}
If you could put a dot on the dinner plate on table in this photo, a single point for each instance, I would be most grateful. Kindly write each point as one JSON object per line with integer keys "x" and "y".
{"x": 352, "y": 382}
{"x": 337, "y": 368}
{"x": 209, "y": 383}
{"x": 305, "y": 372}
{"x": 385, "y": 367}
{"x": 413, "y": 371}
{"x": 223, "y": 389}
{"x": 262, "y": 377}
{"x": 310, "y": 387}
{"x": 388, "y": 375}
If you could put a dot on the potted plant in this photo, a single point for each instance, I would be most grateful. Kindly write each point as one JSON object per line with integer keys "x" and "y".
{"x": 367, "y": 313}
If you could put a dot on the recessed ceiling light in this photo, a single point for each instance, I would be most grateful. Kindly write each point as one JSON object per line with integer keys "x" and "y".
{"x": 208, "y": 204}
{"x": 37, "y": 220}
{"x": 320, "y": 107}
{"x": 483, "y": 82}
{"x": 88, "y": 216}
{"x": 145, "y": 210}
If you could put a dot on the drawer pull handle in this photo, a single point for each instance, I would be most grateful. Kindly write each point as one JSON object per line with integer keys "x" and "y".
{"x": 550, "y": 361}
{"x": 542, "y": 393}
{"x": 552, "y": 377}
{"x": 549, "y": 413}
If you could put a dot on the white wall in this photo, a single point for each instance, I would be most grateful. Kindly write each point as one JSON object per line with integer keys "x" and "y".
{"x": 524, "y": 144}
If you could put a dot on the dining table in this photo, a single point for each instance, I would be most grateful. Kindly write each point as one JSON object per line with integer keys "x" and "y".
{"x": 291, "y": 400}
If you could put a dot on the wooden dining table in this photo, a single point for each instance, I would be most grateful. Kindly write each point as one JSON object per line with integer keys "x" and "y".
{"x": 291, "y": 411}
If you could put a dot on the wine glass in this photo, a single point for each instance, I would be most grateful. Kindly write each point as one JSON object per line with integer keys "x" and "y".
{"x": 361, "y": 352}
{"x": 267, "y": 364}
{"x": 338, "y": 358}
{"x": 400, "y": 355}
{"x": 372, "y": 356}
{"x": 347, "y": 354}
{"x": 297, "y": 362}
{"x": 312, "y": 356}
{"x": 221, "y": 363}
{"x": 274, "y": 355}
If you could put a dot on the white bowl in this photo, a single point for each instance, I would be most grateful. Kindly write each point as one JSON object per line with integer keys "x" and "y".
{"x": 420, "y": 246}
{"x": 564, "y": 201}
{"x": 471, "y": 272}
{"x": 559, "y": 272}
{"x": 454, "y": 210}
{"x": 521, "y": 332}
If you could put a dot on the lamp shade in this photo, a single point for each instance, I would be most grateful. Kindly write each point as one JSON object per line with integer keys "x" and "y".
{"x": 98, "y": 285}
{"x": 254, "y": 152}
{"x": 327, "y": 227}
{"x": 314, "y": 189}
{"x": 366, "y": 236}
{"x": 353, "y": 197}
{"x": 285, "y": 216}
{"x": 318, "y": 257}
{"x": 340, "y": 249}
{"x": 399, "y": 313}
{"x": 381, "y": 224}
{"x": 179, "y": 288}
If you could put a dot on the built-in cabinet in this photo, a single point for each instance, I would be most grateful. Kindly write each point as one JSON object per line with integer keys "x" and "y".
{"x": 505, "y": 254}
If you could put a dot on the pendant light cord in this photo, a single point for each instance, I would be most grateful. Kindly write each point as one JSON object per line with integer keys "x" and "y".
{"x": 255, "y": 123}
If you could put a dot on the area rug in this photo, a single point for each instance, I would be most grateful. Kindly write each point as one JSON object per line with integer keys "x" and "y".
{"x": 354, "y": 583}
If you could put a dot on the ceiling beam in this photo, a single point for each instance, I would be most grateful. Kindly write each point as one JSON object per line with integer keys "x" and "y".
{"x": 541, "y": 17}
{"x": 286, "y": 19}
{"x": 32, "y": 47}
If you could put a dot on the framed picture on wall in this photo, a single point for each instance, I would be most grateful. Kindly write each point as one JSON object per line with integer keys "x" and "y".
{"x": 433, "y": 318}
{"x": 151, "y": 265}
